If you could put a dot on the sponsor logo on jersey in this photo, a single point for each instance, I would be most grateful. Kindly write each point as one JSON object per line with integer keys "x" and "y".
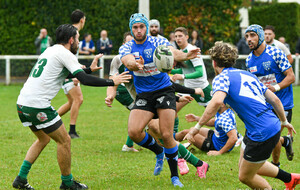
{"x": 141, "y": 102}
{"x": 268, "y": 79}
{"x": 149, "y": 70}
{"x": 253, "y": 69}
{"x": 136, "y": 55}
{"x": 41, "y": 116}
{"x": 267, "y": 65}
{"x": 161, "y": 99}
{"x": 148, "y": 53}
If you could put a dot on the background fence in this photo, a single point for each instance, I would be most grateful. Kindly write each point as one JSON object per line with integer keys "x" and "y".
{"x": 16, "y": 68}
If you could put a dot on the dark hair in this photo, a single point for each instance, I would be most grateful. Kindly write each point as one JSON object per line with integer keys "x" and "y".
{"x": 86, "y": 35}
{"x": 270, "y": 27}
{"x": 64, "y": 33}
{"x": 76, "y": 16}
{"x": 183, "y": 30}
{"x": 125, "y": 35}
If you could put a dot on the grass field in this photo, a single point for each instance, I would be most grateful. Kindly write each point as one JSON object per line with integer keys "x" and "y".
{"x": 97, "y": 159}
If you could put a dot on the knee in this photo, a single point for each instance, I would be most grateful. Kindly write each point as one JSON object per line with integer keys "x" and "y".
{"x": 78, "y": 100}
{"x": 166, "y": 135}
{"x": 243, "y": 178}
{"x": 44, "y": 141}
{"x": 133, "y": 133}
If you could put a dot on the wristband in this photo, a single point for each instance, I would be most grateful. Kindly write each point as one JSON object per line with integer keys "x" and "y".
{"x": 284, "y": 122}
{"x": 183, "y": 77}
{"x": 197, "y": 126}
{"x": 277, "y": 87}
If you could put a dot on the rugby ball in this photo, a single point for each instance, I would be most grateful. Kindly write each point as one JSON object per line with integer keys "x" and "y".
{"x": 163, "y": 58}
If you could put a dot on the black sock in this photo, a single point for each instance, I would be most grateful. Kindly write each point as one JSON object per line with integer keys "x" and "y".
{"x": 284, "y": 176}
{"x": 286, "y": 141}
{"x": 172, "y": 160}
{"x": 150, "y": 143}
{"x": 199, "y": 163}
{"x": 72, "y": 129}
{"x": 276, "y": 164}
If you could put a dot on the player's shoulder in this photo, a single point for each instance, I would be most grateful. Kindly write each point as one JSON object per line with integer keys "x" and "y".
{"x": 190, "y": 47}
{"x": 249, "y": 56}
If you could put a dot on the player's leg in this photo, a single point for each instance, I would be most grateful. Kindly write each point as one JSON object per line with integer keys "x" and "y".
{"x": 248, "y": 175}
{"x": 124, "y": 97}
{"x": 77, "y": 97}
{"x": 166, "y": 123}
{"x": 32, "y": 154}
{"x": 66, "y": 107}
{"x": 63, "y": 141}
{"x": 203, "y": 139}
{"x": 138, "y": 119}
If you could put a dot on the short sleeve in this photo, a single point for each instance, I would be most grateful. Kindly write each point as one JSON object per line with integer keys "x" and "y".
{"x": 221, "y": 83}
{"x": 125, "y": 49}
{"x": 115, "y": 65}
{"x": 280, "y": 58}
{"x": 226, "y": 124}
{"x": 70, "y": 61}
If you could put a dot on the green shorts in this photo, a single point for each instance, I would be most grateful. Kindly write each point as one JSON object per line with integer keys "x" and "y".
{"x": 207, "y": 96}
{"x": 39, "y": 118}
{"x": 124, "y": 97}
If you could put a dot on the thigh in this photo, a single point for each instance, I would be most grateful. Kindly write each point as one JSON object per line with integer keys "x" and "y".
{"x": 166, "y": 120}
{"x": 249, "y": 169}
{"x": 76, "y": 92}
{"x": 60, "y": 135}
{"x": 204, "y": 131}
{"x": 138, "y": 119}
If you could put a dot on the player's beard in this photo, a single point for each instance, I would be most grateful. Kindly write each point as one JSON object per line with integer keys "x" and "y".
{"x": 74, "y": 48}
{"x": 142, "y": 39}
{"x": 154, "y": 33}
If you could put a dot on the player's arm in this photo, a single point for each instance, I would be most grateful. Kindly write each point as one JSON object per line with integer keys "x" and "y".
{"x": 181, "y": 56}
{"x": 186, "y": 90}
{"x": 278, "y": 107}
{"x": 198, "y": 73}
{"x": 210, "y": 111}
{"x": 131, "y": 63}
{"x": 191, "y": 118}
{"x": 232, "y": 138}
{"x": 287, "y": 81}
{"x": 290, "y": 58}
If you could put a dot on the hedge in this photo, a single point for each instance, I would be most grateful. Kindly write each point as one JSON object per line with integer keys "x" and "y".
{"x": 285, "y": 17}
{"x": 21, "y": 20}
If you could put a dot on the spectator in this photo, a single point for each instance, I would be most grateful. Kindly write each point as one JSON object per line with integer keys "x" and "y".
{"x": 243, "y": 47}
{"x": 87, "y": 46}
{"x": 196, "y": 40}
{"x": 42, "y": 42}
{"x": 282, "y": 40}
{"x": 298, "y": 47}
{"x": 172, "y": 40}
{"x": 104, "y": 44}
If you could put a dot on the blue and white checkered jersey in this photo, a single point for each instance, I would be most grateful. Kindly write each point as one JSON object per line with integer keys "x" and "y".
{"x": 150, "y": 78}
{"x": 245, "y": 94}
{"x": 269, "y": 68}
{"x": 224, "y": 123}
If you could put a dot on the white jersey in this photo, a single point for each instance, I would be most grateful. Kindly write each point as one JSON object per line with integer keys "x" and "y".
{"x": 281, "y": 46}
{"x": 47, "y": 76}
{"x": 200, "y": 82}
{"x": 117, "y": 66}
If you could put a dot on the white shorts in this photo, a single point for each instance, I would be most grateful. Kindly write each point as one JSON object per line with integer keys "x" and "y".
{"x": 68, "y": 86}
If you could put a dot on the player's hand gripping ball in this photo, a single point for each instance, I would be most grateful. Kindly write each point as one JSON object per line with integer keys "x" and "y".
{"x": 163, "y": 58}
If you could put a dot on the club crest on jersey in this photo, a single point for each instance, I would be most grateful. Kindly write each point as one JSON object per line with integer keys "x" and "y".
{"x": 253, "y": 69}
{"x": 141, "y": 102}
{"x": 267, "y": 65}
{"x": 41, "y": 116}
{"x": 148, "y": 53}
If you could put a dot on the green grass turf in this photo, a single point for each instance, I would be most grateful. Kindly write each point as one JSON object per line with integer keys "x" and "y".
{"x": 97, "y": 159}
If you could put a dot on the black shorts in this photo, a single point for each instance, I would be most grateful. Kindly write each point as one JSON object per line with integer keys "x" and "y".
{"x": 208, "y": 143}
{"x": 160, "y": 99}
{"x": 288, "y": 114}
{"x": 259, "y": 151}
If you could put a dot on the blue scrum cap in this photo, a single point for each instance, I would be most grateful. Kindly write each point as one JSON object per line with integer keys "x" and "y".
{"x": 258, "y": 30}
{"x": 136, "y": 18}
